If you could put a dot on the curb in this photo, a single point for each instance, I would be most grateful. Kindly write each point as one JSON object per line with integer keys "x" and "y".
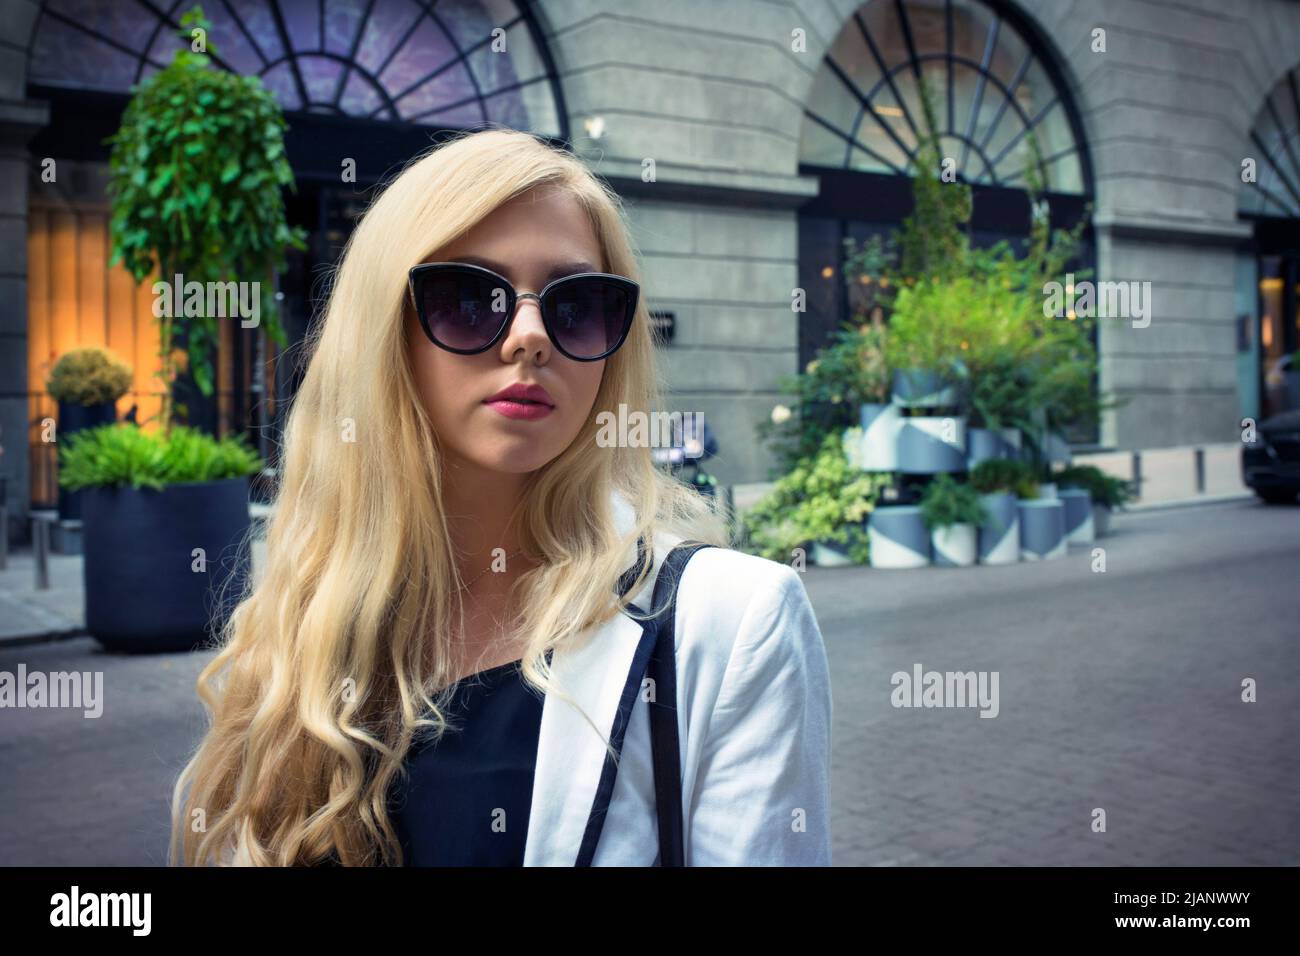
{"x": 1198, "y": 501}
{"x": 41, "y": 637}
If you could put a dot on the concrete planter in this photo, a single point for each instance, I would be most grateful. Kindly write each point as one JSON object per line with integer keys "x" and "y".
{"x": 931, "y": 445}
{"x": 830, "y": 554}
{"x": 1014, "y": 441}
{"x": 899, "y": 538}
{"x": 1056, "y": 449}
{"x": 143, "y": 590}
{"x": 983, "y": 444}
{"x": 999, "y": 537}
{"x": 1047, "y": 490}
{"x": 72, "y": 419}
{"x": 920, "y": 388}
{"x": 880, "y": 425}
{"x": 954, "y": 546}
{"x": 1042, "y": 529}
{"x": 1101, "y": 520}
{"x": 1078, "y": 516}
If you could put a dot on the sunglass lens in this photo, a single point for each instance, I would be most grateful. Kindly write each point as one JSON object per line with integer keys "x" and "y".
{"x": 589, "y": 316}
{"x": 463, "y": 310}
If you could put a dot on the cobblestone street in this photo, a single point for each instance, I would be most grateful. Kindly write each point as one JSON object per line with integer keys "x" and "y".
{"x": 1118, "y": 690}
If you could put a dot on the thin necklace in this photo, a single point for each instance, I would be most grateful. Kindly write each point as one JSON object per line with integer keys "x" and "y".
{"x": 466, "y": 587}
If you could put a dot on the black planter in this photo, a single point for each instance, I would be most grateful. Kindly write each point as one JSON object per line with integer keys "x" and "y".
{"x": 72, "y": 419}
{"x": 142, "y": 593}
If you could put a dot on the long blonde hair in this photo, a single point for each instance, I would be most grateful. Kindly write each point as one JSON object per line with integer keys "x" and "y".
{"x": 341, "y": 649}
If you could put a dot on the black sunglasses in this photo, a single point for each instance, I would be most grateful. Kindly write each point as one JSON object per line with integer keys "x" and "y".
{"x": 466, "y": 309}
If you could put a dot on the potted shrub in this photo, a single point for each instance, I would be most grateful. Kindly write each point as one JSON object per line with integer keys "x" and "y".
{"x": 87, "y": 384}
{"x": 952, "y": 512}
{"x": 197, "y": 168}
{"x": 877, "y": 415}
{"x": 1106, "y": 492}
{"x": 165, "y": 532}
{"x": 999, "y": 482}
{"x": 820, "y": 507}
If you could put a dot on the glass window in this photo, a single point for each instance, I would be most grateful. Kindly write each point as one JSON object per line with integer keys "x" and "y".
{"x": 993, "y": 98}
{"x": 416, "y": 60}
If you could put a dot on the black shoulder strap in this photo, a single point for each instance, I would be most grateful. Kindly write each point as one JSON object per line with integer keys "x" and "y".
{"x": 664, "y": 743}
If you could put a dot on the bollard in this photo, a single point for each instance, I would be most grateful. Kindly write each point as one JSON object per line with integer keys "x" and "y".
{"x": 1137, "y": 474}
{"x": 41, "y": 547}
{"x": 1199, "y": 459}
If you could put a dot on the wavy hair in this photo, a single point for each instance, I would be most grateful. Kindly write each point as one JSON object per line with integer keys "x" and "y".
{"x": 340, "y": 651}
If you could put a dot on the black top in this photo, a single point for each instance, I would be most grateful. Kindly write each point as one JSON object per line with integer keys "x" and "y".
{"x": 465, "y": 800}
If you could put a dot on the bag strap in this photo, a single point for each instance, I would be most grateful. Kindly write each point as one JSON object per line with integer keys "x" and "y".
{"x": 665, "y": 746}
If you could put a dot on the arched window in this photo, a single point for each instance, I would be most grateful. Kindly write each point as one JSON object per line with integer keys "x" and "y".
{"x": 1269, "y": 271}
{"x": 996, "y": 94}
{"x": 1275, "y": 140}
{"x": 443, "y": 63}
{"x": 990, "y": 87}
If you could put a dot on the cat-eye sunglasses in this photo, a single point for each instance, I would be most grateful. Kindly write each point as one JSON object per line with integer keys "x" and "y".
{"x": 466, "y": 309}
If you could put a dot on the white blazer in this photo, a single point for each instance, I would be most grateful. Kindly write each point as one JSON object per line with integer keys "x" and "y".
{"x": 754, "y": 721}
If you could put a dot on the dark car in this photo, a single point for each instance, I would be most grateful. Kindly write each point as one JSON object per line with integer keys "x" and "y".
{"x": 1270, "y": 465}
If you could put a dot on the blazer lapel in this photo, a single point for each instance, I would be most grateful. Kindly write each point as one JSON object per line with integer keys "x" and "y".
{"x": 573, "y": 781}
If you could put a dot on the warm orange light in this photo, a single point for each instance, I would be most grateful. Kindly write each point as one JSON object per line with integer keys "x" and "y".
{"x": 827, "y": 272}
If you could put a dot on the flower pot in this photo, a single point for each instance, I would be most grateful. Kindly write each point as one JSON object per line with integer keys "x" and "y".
{"x": 983, "y": 444}
{"x": 931, "y": 445}
{"x": 899, "y": 538}
{"x": 1014, "y": 442}
{"x": 954, "y": 546}
{"x": 922, "y": 388}
{"x": 880, "y": 424}
{"x": 1047, "y": 490}
{"x": 1078, "y": 515}
{"x": 830, "y": 554}
{"x": 72, "y": 419}
{"x": 1101, "y": 520}
{"x": 145, "y": 588}
{"x": 1042, "y": 529}
{"x": 1056, "y": 449}
{"x": 999, "y": 537}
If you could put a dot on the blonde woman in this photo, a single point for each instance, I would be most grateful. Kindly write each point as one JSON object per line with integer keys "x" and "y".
{"x": 451, "y": 656}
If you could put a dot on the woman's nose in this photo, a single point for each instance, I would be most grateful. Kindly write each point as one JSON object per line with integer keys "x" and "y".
{"x": 527, "y": 330}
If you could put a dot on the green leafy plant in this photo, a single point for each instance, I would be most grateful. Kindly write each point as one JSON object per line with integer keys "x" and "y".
{"x": 946, "y": 502}
{"x": 1104, "y": 489}
{"x": 848, "y": 373}
{"x": 126, "y": 455}
{"x": 996, "y": 475}
{"x": 823, "y": 498}
{"x": 88, "y": 377}
{"x": 197, "y": 167}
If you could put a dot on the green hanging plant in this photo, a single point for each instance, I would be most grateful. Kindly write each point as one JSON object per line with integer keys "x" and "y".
{"x": 197, "y": 168}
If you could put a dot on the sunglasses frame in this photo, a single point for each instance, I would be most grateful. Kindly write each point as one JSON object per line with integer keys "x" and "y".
{"x": 424, "y": 270}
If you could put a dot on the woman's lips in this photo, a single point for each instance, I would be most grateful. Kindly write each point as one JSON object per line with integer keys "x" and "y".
{"x": 527, "y": 411}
